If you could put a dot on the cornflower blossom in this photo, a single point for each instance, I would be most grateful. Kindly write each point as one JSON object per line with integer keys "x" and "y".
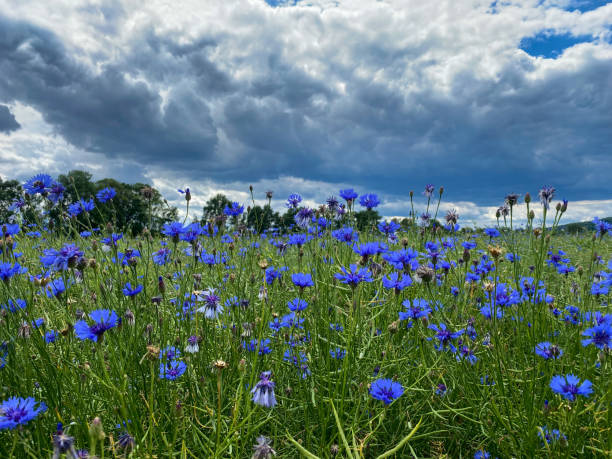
{"x": 444, "y": 336}
{"x": 353, "y": 276}
{"x": 569, "y": 386}
{"x": 599, "y": 336}
{"x": 212, "y": 304}
{"x": 546, "y": 194}
{"x": 548, "y": 350}
{"x": 386, "y": 390}
{"x": 349, "y": 195}
{"x": 39, "y": 184}
{"x": 369, "y": 201}
{"x": 297, "y": 305}
{"x": 293, "y": 201}
{"x": 103, "y": 320}
{"x": 429, "y": 190}
{"x": 393, "y": 281}
{"x": 18, "y": 411}
{"x": 263, "y": 392}
{"x": 418, "y": 309}
{"x": 130, "y": 291}
{"x": 302, "y": 280}
{"x": 172, "y": 369}
{"x": 106, "y": 194}
{"x": 234, "y": 210}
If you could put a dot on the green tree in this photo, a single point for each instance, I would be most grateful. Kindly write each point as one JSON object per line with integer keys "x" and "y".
{"x": 260, "y": 218}
{"x": 10, "y": 191}
{"x": 367, "y": 219}
{"x": 214, "y": 206}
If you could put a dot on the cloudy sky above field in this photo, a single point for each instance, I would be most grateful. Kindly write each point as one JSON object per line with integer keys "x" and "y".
{"x": 311, "y": 96}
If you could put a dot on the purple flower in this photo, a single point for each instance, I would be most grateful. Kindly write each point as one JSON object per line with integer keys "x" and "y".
{"x": 263, "y": 392}
{"x": 429, "y": 190}
{"x": 293, "y": 201}
{"x": 546, "y": 195}
{"x": 234, "y": 210}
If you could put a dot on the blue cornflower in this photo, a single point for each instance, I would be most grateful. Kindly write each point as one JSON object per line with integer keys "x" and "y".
{"x": 393, "y": 281}
{"x": 482, "y": 454}
{"x": 56, "y": 287}
{"x": 402, "y": 259}
{"x": 548, "y": 350}
{"x": 445, "y": 336}
{"x": 51, "y": 336}
{"x": 602, "y": 227}
{"x": 103, "y": 319}
{"x": 234, "y": 210}
{"x": 10, "y": 229}
{"x": 369, "y": 249}
{"x": 303, "y": 216}
{"x": 348, "y": 194}
{"x": 112, "y": 240}
{"x": 465, "y": 353}
{"x": 600, "y": 336}
{"x": 487, "y": 311}
{"x": 162, "y": 256}
{"x": 39, "y": 184}
{"x": 172, "y": 369}
{"x": 56, "y": 192}
{"x": 299, "y": 239}
{"x": 293, "y": 201}
{"x": 192, "y": 232}
{"x": 106, "y": 194}
{"x": 302, "y": 280}
{"x": 263, "y": 392}
{"x": 76, "y": 208}
{"x": 386, "y": 390}
{"x": 369, "y": 201}
{"x": 128, "y": 290}
{"x": 8, "y": 270}
{"x": 18, "y": 411}
{"x": 441, "y": 390}
{"x": 492, "y": 232}
{"x": 271, "y": 274}
{"x": 354, "y": 275}
{"x": 62, "y": 259}
{"x": 297, "y": 305}
{"x": 212, "y": 304}
{"x": 346, "y": 234}
{"x": 388, "y": 227}
{"x": 169, "y": 353}
{"x": 418, "y": 309}
{"x": 173, "y": 230}
{"x": 569, "y": 386}
{"x": 454, "y": 291}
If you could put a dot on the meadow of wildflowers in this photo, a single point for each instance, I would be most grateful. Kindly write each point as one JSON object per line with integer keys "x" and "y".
{"x": 212, "y": 340}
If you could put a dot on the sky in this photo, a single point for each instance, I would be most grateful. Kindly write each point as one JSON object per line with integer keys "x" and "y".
{"x": 311, "y": 96}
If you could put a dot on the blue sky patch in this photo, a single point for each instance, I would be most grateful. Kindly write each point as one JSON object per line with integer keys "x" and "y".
{"x": 276, "y": 3}
{"x": 586, "y": 5}
{"x": 550, "y": 45}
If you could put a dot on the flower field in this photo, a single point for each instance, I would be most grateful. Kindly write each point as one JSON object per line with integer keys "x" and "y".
{"x": 210, "y": 339}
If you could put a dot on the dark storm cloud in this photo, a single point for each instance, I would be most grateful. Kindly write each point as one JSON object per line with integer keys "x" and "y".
{"x": 103, "y": 112}
{"x": 8, "y": 123}
{"x": 196, "y": 108}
